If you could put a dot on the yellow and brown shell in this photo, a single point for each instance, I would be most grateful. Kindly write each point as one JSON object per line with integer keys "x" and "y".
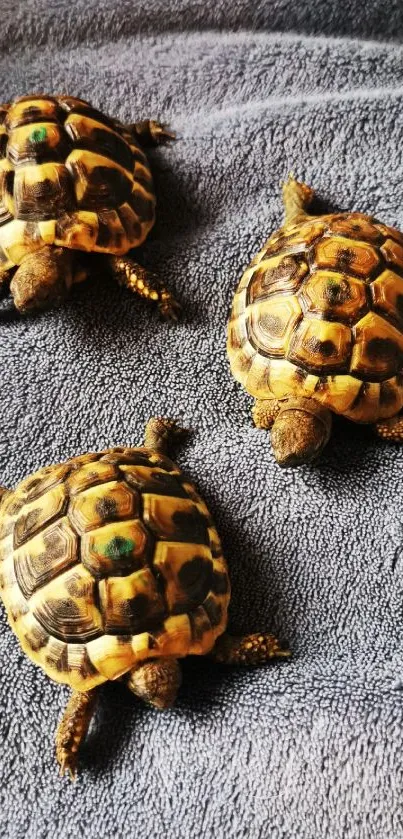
{"x": 69, "y": 176}
{"x": 107, "y": 560}
{"x": 319, "y": 313}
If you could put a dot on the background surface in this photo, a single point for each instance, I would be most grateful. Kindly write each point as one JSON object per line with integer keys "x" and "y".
{"x": 310, "y": 748}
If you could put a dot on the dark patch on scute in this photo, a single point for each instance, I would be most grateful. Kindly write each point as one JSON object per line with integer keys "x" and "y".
{"x": 25, "y": 525}
{"x": 55, "y": 545}
{"x": 387, "y": 393}
{"x": 44, "y": 199}
{"x": 77, "y": 586}
{"x": 360, "y": 395}
{"x": 58, "y": 657}
{"x": 37, "y": 638}
{"x": 143, "y": 206}
{"x": 300, "y": 375}
{"x": 337, "y": 293}
{"x": 124, "y": 639}
{"x": 66, "y": 607}
{"x": 104, "y": 235}
{"x": 272, "y": 324}
{"x": 399, "y": 305}
{"x": 106, "y": 508}
{"x": 159, "y": 483}
{"x": 323, "y": 348}
{"x": 385, "y": 349}
{"x": 86, "y": 667}
{"x": 105, "y": 186}
{"x": 191, "y": 526}
{"x": 131, "y": 226}
{"x": 88, "y": 111}
{"x": 195, "y": 578}
{"x": 15, "y": 506}
{"x": 344, "y": 258}
{"x": 287, "y": 269}
{"x": 138, "y": 608}
{"x": 121, "y": 457}
{"x": 32, "y": 113}
{"x": 8, "y": 182}
{"x": 199, "y": 623}
{"x": 105, "y": 143}
{"x": 213, "y": 610}
{"x": 219, "y": 583}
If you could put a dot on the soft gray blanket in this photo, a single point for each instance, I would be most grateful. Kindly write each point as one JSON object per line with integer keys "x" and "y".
{"x": 311, "y": 748}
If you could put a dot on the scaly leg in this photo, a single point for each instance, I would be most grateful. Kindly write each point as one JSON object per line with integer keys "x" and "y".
{"x": 265, "y": 411}
{"x": 156, "y": 681}
{"x": 390, "y": 429}
{"x": 128, "y": 273}
{"x": 150, "y": 132}
{"x": 297, "y": 197}
{"x": 43, "y": 279}
{"x": 253, "y": 649}
{"x": 73, "y": 728}
{"x": 161, "y": 433}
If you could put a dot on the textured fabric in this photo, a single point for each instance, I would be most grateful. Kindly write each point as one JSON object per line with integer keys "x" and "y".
{"x": 311, "y": 748}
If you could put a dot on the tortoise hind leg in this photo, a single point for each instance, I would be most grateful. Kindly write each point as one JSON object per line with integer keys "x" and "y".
{"x": 297, "y": 197}
{"x": 248, "y": 650}
{"x": 43, "y": 279}
{"x": 156, "y": 681}
{"x": 73, "y": 728}
{"x": 390, "y": 429}
{"x": 130, "y": 274}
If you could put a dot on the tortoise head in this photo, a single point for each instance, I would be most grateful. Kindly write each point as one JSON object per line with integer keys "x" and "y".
{"x": 300, "y": 431}
{"x": 43, "y": 279}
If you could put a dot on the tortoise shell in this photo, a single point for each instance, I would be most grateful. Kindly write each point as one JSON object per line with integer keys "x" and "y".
{"x": 319, "y": 312}
{"x": 107, "y": 560}
{"x": 69, "y": 176}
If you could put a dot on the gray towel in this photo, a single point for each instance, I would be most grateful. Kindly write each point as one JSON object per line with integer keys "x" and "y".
{"x": 310, "y": 748}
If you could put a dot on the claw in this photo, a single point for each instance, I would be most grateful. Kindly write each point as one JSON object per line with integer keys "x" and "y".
{"x": 67, "y": 764}
{"x": 160, "y": 133}
{"x": 170, "y": 310}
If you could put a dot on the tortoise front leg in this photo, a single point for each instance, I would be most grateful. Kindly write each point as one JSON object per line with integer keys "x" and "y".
{"x": 130, "y": 274}
{"x": 254, "y": 649}
{"x": 265, "y": 411}
{"x": 390, "y": 429}
{"x": 73, "y": 728}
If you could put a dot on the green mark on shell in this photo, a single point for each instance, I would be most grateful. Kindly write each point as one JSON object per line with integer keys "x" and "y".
{"x": 118, "y": 547}
{"x": 38, "y": 135}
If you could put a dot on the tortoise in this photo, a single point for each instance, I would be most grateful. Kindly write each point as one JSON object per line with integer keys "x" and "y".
{"x": 111, "y": 568}
{"x": 73, "y": 182}
{"x": 317, "y": 327}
